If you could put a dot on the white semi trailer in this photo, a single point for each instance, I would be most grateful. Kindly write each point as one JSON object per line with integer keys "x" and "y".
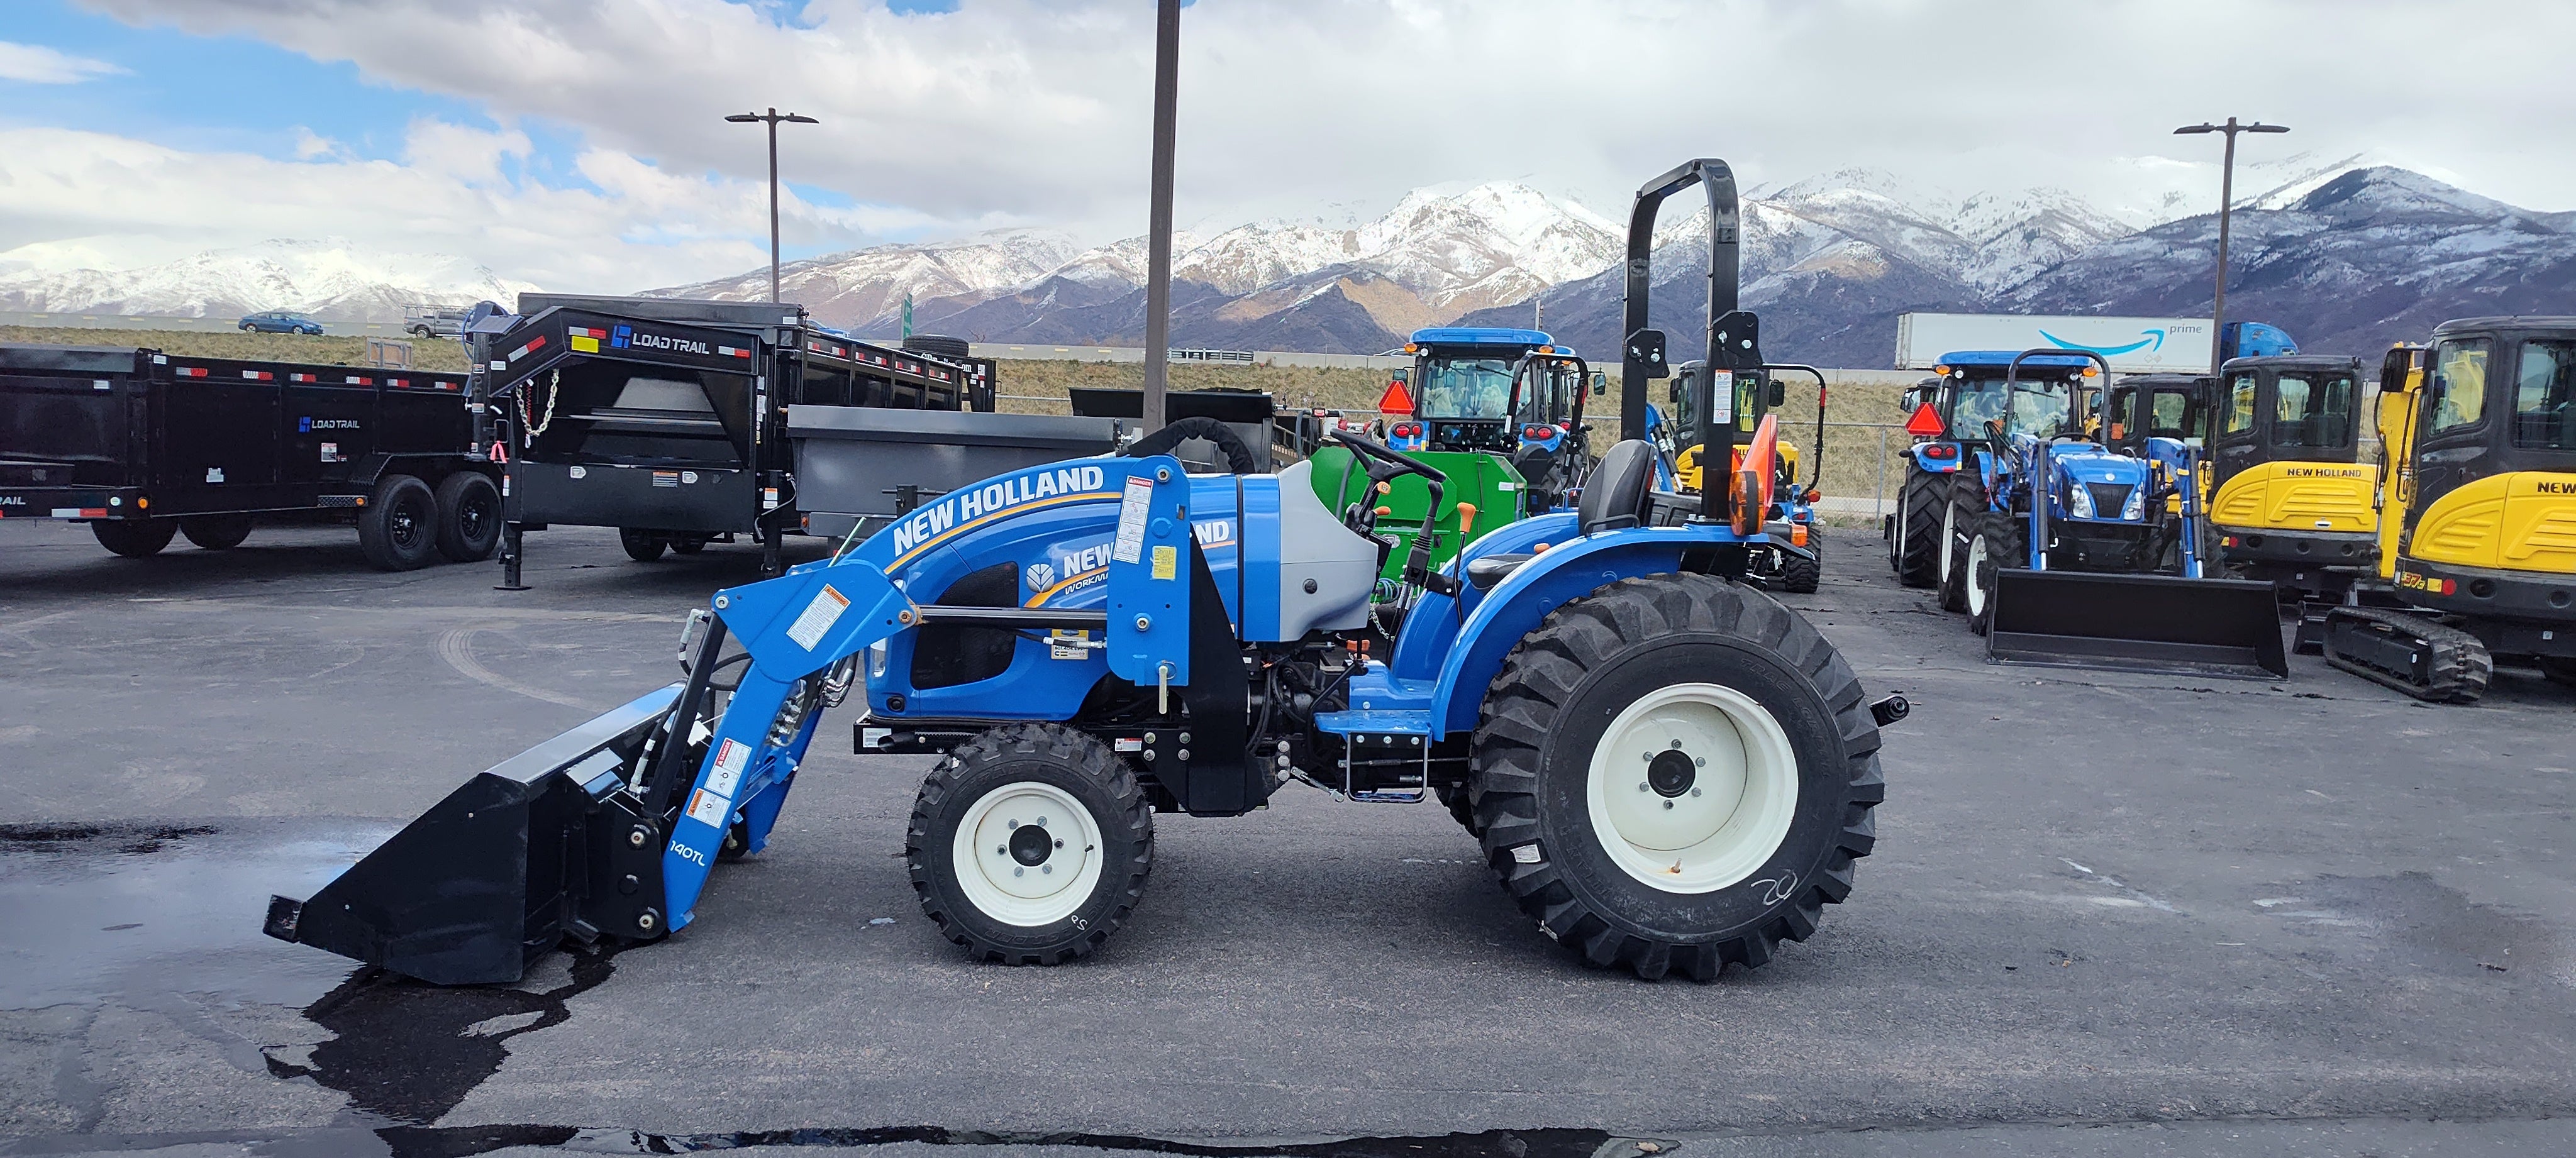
{"x": 2133, "y": 345}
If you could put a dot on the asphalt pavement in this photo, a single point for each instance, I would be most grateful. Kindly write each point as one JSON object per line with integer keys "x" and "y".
{"x": 2108, "y": 914}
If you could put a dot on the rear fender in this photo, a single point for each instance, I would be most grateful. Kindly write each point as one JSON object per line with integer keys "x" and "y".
{"x": 1431, "y": 628}
{"x": 1515, "y": 606}
{"x": 1925, "y": 462}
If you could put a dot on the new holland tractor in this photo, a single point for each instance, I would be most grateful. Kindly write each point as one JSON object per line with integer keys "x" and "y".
{"x": 2057, "y": 543}
{"x": 1667, "y": 771}
{"x": 2477, "y": 528}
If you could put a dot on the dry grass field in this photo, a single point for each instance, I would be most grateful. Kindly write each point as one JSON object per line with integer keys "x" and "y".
{"x": 434, "y": 354}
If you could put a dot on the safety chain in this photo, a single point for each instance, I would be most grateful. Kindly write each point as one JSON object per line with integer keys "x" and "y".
{"x": 529, "y": 426}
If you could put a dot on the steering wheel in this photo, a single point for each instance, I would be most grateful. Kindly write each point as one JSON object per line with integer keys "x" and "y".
{"x": 1384, "y": 466}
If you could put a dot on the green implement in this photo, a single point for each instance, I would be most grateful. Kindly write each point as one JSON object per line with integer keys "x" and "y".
{"x": 1483, "y": 493}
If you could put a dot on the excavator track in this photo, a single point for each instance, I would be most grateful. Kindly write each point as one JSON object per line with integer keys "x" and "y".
{"x": 2410, "y": 653}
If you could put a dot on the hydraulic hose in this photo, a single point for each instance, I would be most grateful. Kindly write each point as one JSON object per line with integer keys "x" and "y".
{"x": 1238, "y": 455}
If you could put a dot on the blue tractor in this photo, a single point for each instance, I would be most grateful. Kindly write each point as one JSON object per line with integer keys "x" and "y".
{"x": 1665, "y": 769}
{"x": 2059, "y": 545}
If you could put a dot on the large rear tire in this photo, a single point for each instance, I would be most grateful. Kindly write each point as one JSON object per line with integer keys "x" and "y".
{"x": 399, "y": 529}
{"x": 216, "y": 532}
{"x": 1994, "y": 545}
{"x": 469, "y": 517}
{"x": 1959, "y": 513}
{"x": 1675, "y": 773}
{"x": 1030, "y": 844}
{"x": 132, "y": 538}
{"x": 1917, "y": 544}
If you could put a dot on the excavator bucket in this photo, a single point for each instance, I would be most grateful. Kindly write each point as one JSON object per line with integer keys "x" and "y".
{"x": 2227, "y": 628}
{"x": 521, "y": 856}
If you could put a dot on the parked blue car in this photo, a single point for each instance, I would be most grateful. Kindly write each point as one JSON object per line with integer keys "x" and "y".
{"x": 280, "y": 322}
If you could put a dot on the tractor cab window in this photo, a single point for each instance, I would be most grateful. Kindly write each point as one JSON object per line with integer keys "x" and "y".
{"x": 2032, "y": 406}
{"x": 2312, "y": 411}
{"x": 2459, "y": 390}
{"x": 2239, "y": 415}
{"x": 1466, "y": 388}
{"x": 2544, "y": 397}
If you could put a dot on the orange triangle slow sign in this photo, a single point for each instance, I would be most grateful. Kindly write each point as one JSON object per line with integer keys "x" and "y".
{"x": 1926, "y": 422}
{"x": 1396, "y": 400}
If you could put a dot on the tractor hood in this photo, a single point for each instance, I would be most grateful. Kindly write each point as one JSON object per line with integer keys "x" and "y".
{"x": 2091, "y": 464}
{"x": 2097, "y": 485}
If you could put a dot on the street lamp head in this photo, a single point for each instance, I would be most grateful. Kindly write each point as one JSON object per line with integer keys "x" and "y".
{"x": 2260, "y": 127}
{"x": 2199, "y": 128}
{"x": 744, "y": 118}
{"x": 794, "y": 119}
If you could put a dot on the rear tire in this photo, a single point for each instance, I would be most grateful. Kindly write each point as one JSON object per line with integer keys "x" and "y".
{"x": 1030, "y": 844}
{"x": 133, "y": 539}
{"x": 1762, "y": 821}
{"x": 469, "y": 517}
{"x": 1916, "y": 546}
{"x": 216, "y": 532}
{"x": 399, "y": 529}
{"x": 1801, "y": 576}
{"x": 641, "y": 546}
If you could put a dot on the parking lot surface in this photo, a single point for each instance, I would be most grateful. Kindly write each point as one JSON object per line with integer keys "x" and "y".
{"x": 2108, "y": 914}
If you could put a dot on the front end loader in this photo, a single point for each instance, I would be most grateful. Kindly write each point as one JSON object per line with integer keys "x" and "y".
{"x": 2059, "y": 542}
{"x": 1666, "y": 770}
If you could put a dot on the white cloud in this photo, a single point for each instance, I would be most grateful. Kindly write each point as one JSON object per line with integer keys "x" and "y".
{"x": 37, "y": 64}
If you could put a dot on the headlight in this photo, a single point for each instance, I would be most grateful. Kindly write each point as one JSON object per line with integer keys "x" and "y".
{"x": 2135, "y": 510}
{"x": 2079, "y": 500}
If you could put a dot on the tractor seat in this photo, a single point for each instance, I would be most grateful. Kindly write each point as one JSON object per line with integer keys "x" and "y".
{"x": 1484, "y": 572}
{"x": 1620, "y": 492}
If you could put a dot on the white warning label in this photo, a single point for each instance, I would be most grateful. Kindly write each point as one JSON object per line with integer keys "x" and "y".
{"x": 730, "y": 759}
{"x": 709, "y": 809}
{"x": 1132, "y": 509}
{"x": 818, "y": 617}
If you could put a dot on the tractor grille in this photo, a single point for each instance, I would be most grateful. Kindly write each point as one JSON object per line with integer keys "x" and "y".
{"x": 2108, "y": 498}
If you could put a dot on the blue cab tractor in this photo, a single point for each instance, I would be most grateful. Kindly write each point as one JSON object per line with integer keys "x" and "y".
{"x": 2057, "y": 545}
{"x": 1666, "y": 770}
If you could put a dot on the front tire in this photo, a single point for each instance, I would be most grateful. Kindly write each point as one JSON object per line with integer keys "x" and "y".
{"x": 469, "y": 517}
{"x": 134, "y": 539}
{"x": 1959, "y": 514}
{"x": 1802, "y": 576}
{"x": 399, "y": 529}
{"x": 1741, "y": 834}
{"x": 1030, "y": 844}
{"x": 1917, "y": 541}
{"x": 216, "y": 532}
{"x": 1995, "y": 545}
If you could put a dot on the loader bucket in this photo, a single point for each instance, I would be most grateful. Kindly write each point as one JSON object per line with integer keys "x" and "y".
{"x": 492, "y": 877}
{"x": 2228, "y": 628}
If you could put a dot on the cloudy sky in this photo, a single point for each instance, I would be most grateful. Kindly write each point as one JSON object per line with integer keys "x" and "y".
{"x": 579, "y": 143}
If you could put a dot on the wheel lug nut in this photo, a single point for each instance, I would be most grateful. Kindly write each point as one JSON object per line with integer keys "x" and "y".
{"x": 1641, "y": 786}
{"x": 1046, "y": 868}
{"x": 1694, "y": 791}
{"x": 1668, "y": 804}
{"x": 1701, "y": 762}
{"x": 1010, "y": 824}
{"x": 1004, "y": 850}
{"x": 1677, "y": 743}
{"x": 1019, "y": 872}
{"x": 1042, "y": 822}
{"x": 1059, "y": 844}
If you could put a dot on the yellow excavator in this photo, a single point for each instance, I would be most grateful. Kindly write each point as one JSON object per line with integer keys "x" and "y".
{"x": 2476, "y": 534}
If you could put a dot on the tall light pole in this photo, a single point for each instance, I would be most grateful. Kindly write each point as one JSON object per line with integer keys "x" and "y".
{"x": 773, "y": 117}
{"x": 2226, "y": 200}
{"x": 1158, "y": 225}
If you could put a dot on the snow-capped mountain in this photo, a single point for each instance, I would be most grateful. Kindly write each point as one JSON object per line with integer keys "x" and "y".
{"x": 869, "y": 284}
{"x": 332, "y": 279}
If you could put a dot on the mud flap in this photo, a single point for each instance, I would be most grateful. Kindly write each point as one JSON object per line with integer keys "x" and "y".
{"x": 2228, "y": 628}
{"x": 540, "y": 847}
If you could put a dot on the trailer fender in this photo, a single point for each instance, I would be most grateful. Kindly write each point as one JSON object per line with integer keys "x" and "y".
{"x": 1515, "y": 607}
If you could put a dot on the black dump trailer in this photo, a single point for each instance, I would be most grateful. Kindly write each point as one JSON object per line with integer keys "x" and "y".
{"x": 143, "y": 445}
{"x": 682, "y": 422}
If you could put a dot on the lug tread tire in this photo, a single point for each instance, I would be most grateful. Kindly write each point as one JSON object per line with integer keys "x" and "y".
{"x": 1918, "y": 528}
{"x": 134, "y": 539}
{"x": 454, "y": 492}
{"x": 1541, "y": 680}
{"x": 216, "y": 532}
{"x": 2003, "y": 535}
{"x": 376, "y": 538}
{"x": 1802, "y": 576}
{"x": 1130, "y": 818}
{"x": 1963, "y": 506}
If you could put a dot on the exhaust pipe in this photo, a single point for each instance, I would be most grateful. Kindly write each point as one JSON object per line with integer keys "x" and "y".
{"x": 2226, "y": 628}
{"x": 539, "y": 847}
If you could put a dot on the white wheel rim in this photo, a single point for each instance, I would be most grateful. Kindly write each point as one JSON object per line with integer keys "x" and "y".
{"x": 1949, "y": 533}
{"x": 999, "y": 834}
{"x": 1733, "y": 805}
{"x": 1976, "y": 567}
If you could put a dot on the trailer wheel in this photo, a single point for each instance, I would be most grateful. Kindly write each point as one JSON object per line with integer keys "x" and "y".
{"x": 641, "y": 546}
{"x": 134, "y": 538}
{"x": 469, "y": 517}
{"x": 1030, "y": 844}
{"x": 216, "y": 532}
{"x": 1801, "y": 576}
{"x": 1674, "y": 774}
{"x": 399, "y": 529}
{"x": 1959, "y": 514}
{"x": 1995, "y": 544}
{"x": 688, "y": 546}
{"x": 1915, "y": 549}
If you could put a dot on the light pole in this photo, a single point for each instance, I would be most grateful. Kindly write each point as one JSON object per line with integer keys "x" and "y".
{"x": 1158, "y": 225}
{"x": 2226, "y": 199}
{"x": 773, "y": 117}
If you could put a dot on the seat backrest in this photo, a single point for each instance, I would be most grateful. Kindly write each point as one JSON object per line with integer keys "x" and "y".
{"x": 1616, "y": 494}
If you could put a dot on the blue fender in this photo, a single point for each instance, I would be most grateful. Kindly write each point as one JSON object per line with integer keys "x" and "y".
{"x": 1431, "y": 628}
{"x": 1515, "y": 606}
